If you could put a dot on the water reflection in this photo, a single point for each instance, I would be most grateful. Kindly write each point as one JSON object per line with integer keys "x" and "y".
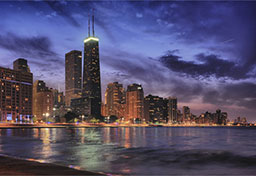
{"x": 123, "y": 150}
{"x": 126, "y": 134}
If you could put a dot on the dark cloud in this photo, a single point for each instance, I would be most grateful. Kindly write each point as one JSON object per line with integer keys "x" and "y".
{"x": 241, "y": 94}
{"x": 62, "y": 10}
{"x": 210, "y": 25}
{"x": 27, "y": 46}
{"x": 209, "y": 65}
{"x": 134, "y": 66}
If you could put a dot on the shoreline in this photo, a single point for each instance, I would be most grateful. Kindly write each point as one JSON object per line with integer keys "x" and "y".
{"x": 17, "y": 166}
{"x": 86, "y": 125}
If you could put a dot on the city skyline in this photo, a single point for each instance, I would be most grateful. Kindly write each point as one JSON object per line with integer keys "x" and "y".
{"x": 206, "y": 81}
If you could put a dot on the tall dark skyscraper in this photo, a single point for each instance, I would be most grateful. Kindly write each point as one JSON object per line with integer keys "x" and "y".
{"x": 73, "y": 75}
{"x": 91, "y": 72}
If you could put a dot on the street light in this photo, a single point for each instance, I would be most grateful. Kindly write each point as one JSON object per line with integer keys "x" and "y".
{"x": 47, "y": 115}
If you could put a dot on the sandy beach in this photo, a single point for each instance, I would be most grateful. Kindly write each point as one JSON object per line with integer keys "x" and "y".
{"x": 13, "y": 166}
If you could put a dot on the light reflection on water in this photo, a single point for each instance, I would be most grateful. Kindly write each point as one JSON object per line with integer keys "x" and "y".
{"x": 137, "y": 150}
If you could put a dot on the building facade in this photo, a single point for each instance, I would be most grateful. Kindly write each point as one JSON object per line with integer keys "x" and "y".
{"x": 134, "y": 103}
{"x": 115, "y": 100}
{"x": 73, "y": 75}
{"x": 42, "y": 101}
{"x": 16, "y": 93}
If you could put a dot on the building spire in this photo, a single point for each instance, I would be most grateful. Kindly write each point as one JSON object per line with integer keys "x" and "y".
{"x": 93, "y": 22}
{"x": 89, "y": 25}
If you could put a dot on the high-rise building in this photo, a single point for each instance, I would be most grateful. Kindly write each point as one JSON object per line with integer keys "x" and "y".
{"x": 91, "y": 72}
{"x": 59, "y": 109}
{"x": 16, "y": 93}
{"x": 21, "y": 65}
{"x": 154, "y": 109}
{"x": 172, "y": 110}
{"x": 220, "y": 117}
{"x": 186, "y": 113}
{"x": 115, "y": 100}
{"x": 134, "y": 102}
{"x": 73, "y": 75}
{"x": 42, "y": 101}
{"x": 58, "y": 98}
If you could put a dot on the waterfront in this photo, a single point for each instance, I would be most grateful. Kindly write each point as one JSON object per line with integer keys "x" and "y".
{"x": 133, "y": 150}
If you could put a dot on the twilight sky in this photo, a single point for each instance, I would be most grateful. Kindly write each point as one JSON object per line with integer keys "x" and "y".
{"x": 204, "y": 53}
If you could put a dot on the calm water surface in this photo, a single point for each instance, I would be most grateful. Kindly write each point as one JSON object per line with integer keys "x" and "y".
{"x": 138, "y": 150}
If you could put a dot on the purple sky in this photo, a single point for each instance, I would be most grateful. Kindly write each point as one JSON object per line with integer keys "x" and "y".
{"x": 204, "y": 53}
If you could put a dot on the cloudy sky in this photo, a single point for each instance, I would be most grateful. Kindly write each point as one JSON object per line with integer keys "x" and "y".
{"x": 204, "y": 53}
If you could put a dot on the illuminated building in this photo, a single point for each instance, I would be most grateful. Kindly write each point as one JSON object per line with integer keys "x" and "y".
{"x": 154, "y": 109}
{"x": 42, "y": 101}
{"x": 91, "y": 72}
{"x": 172, "y": 110}
{"x": 16, "y": 92}
{"x": 114, "y": 100}
{"x": 134, "y": 102}
{"x": 73, "y": 75}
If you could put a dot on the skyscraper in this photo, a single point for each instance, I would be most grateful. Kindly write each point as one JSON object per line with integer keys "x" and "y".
{"x": 91, "y": 72}
{"x": 73, "y": 75}
{"x": 186, "y": 113}
{"x": 114, "y": 100}
{"x": 172, "y": 109}
{"x": 154, "y": 109}
{"x": 134, "y": 102}
{"x": 16, "y": 92}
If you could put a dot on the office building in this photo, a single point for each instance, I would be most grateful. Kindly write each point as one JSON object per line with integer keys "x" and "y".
{"x": 134, "y": 103}
{"x": 91, "y": 72}
{"x": 42, "y": 101}
{"x": 172, "y": 110}
{"x": 115, "y": 100}
{"x": 59, "y": 109}
{"x": 185, "y": 113}
{"x": 16, "y": 92}
{"x": 154, "y": 109}
{"x": 73, "y": 75}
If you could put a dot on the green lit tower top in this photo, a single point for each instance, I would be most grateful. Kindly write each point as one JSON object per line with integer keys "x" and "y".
{"x": 91, "y": 73}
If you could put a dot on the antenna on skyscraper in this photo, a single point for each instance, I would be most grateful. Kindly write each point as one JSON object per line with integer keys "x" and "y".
{"x": 93, "y": 22}
{"x": 89, "y": 25}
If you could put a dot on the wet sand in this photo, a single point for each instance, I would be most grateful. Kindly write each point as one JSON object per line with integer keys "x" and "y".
{"x": 12, "y": 166}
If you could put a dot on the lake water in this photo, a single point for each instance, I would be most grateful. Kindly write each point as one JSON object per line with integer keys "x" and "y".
{"x": 138, "y": 150}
